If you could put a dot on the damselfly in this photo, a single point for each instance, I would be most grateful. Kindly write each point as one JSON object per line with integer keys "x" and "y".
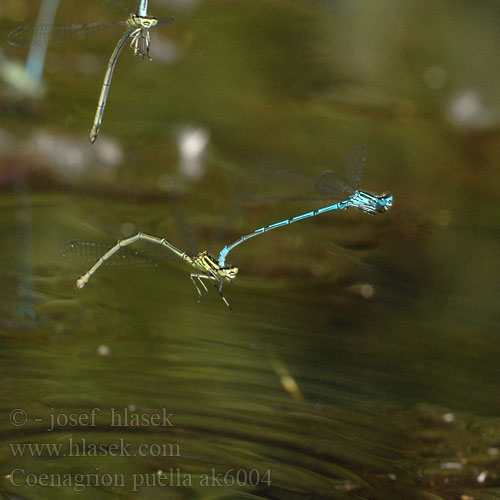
{"x": 215, "y": 270}
{"x": 137, "y": 27}
{"x": 206, "y": 265}
{"x": 330, "y": 184}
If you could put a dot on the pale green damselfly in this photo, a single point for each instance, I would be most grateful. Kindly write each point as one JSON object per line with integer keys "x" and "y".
{"x": 137, "y": 30}
{"x": 206, "y": 265}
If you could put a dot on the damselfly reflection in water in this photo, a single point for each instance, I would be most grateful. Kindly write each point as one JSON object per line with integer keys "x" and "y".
{"x": 215, "y": 270}
{"x": 137, "y": 26}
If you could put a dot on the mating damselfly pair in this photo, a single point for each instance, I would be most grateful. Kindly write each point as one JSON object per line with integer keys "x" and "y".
{"x": 216, "y": 271}
{"x": 137, "y": 27}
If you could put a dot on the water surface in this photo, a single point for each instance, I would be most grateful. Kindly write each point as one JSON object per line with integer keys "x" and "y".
{"x": 360, "y": 359}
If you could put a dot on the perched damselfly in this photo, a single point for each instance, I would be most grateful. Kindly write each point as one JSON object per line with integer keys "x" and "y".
{"x": 137, "y": 27}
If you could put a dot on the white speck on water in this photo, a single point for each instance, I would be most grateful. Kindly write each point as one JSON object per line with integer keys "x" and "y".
{"x": 192, "y": 143}
{"x": 449, "y": 417}
{"x": 103, "y": 350}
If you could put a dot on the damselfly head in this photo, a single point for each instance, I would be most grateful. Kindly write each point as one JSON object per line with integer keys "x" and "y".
{"x": 384, "y": 202}
{"x": 228, "y": 272}
{"x": 143, "y": 21}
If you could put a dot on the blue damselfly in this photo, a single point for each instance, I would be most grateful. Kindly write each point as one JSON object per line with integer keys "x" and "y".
{"x": 330, "y": 184}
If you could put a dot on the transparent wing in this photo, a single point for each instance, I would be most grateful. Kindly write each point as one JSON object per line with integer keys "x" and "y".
{"x": 165, "y": 20}
{"x": 355, "y": 164}
{"x": 90, "y": 251}
{"x": 331, "y": 184}
{"x": 59, "y": 33}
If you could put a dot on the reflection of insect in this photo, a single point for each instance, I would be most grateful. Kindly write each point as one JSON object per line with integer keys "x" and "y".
{"x": 138, "y": 25}
{"x": 205, "y": 265}
{"x": 330, "y": 184}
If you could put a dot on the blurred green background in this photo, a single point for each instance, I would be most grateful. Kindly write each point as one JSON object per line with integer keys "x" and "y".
{"x": 361, "y": 357}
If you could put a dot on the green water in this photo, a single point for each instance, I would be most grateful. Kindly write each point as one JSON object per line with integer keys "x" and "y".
{"x": 361, "y": 357}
